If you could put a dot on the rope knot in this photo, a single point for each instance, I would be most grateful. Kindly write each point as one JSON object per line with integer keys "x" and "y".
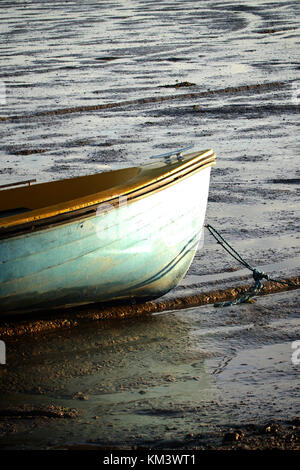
{"x": 259, "y": 275}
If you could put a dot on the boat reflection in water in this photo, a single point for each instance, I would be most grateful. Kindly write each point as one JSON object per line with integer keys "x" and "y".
{"x": 132, "y": 381}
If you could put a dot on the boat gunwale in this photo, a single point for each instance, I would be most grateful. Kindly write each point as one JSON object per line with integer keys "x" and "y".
{"x": 154, "y": 186}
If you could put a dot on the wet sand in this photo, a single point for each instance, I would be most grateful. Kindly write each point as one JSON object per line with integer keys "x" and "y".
{"x": 185, "y": 378}
{"x": 92, "y": 87}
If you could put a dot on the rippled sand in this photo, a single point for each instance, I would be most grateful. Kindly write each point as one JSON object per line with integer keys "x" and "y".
{"x": 92, "y": 86}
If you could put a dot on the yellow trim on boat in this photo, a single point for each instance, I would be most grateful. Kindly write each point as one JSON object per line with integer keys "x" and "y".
{"x": 45, "y": 200}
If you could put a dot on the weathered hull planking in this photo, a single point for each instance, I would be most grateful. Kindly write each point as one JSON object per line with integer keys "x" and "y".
{"x": 140, "y": 249}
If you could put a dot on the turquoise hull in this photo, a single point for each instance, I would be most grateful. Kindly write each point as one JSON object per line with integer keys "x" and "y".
{"x": 137, "y": 250}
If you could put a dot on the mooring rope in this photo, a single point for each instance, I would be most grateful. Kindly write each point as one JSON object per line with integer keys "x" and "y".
{"x": 258, "y": 276}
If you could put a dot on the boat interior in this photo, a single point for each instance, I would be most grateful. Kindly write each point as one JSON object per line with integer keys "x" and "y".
{"x": 27, "y": 198}
{"x": 23, "y": 204}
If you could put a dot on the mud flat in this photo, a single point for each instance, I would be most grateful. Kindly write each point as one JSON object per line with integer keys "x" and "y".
{"x": 86, "y": 87}
{"x": 202, "y": 377}
{"x": 14, "y": 326}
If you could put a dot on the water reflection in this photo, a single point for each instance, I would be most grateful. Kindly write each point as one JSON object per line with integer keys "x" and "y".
{"x": 133, "y": 380}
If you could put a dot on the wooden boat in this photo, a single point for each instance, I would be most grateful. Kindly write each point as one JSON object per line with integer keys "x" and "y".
{"x": 128, "y": 233}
